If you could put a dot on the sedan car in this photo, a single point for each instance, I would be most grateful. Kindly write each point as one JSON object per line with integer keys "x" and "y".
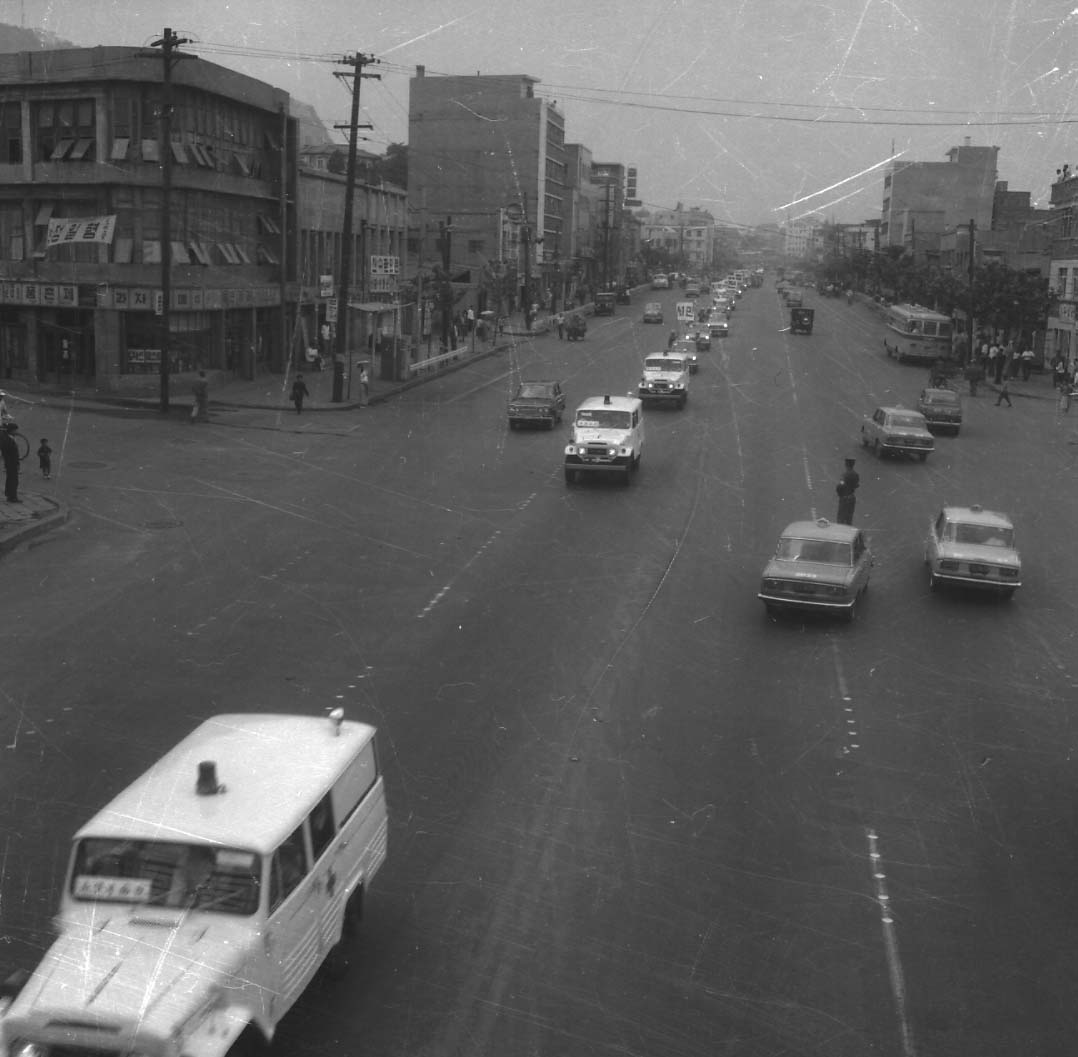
{"x": 538, "y": 403}
{"x": 897, "y": 431}
{"x": 817, "y": 566}
{"x": 969, "y": 546}
{"x": 653, "y": 312}
{"x": 718, "y": 328}
{"x": 942, "y": 409}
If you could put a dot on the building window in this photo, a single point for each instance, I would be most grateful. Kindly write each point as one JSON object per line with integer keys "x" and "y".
{"x": 61, "y": 124}
{"x": 475, "y": 246}
{"x": 11, "y": 118}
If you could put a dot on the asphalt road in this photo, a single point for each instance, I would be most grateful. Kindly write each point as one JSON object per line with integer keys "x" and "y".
{"x": 629, "y": 813}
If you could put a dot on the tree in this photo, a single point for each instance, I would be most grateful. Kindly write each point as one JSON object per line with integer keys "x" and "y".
{"x": 392, "y": 167}
{"x": 1008, "y": 300}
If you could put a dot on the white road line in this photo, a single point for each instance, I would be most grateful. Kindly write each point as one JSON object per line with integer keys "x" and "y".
{"x": 890, "y": 944}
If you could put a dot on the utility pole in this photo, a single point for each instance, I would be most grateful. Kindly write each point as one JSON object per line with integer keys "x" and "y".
{"x": 526, "y": 238}
{"x": 168, "y": 43}
{"x": 972, "y": 238}
{"x": 447, "y": 290}
{"x": 357, "y": 62}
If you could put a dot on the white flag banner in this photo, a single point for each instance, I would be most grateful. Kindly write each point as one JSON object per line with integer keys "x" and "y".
{"x": 67, "y": 231}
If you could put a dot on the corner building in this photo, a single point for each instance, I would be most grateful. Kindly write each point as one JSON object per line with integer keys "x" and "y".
{"x": 81, "y": 142}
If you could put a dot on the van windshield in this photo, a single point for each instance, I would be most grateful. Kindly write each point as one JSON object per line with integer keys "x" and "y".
{"x": 604, "y": 419}
{"x": 167, "y": 874}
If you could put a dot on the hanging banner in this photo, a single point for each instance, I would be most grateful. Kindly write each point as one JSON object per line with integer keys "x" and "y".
{"x": 65, "y": 232}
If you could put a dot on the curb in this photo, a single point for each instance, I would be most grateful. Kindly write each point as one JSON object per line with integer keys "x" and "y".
{"x": 16, "y": 536}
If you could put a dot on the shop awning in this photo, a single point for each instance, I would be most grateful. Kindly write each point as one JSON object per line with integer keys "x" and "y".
{"x": 371, "y": 306}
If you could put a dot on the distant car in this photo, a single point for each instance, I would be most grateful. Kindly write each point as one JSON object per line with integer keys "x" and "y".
{"x": 703, "y": 339}
{"x": 718, "y": 328}
{"x": 665, "y": 380}
{"x": 575, "y": 327}
{"x": 968, "y": 546}
{"x": 653, "y": 312}
{"x": 942, "y": 409}
{"x": 604, "y": 302}
{"x": 686, "y": 348}
{"x": 897, "y": 431}
{"x": 660, "y": 282}
{"x": 536, "y": 404}
{"x": 817, "y": 566}
{"x": 692, "y": 288}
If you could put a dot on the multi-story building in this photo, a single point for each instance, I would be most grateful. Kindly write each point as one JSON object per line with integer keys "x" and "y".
{"x": 486, "y": 185}
{"x": 1061, "y": 337}
{"x": 687, "y": 235}
{"x": 82, "y": 208}
{"x": 921, "y": 200}
{"x": 608, "y": 191}
{"x": 802, "y": 237}
{"x": 379, "y": 232}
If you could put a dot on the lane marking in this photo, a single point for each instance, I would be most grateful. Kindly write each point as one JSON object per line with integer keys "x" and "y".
{"x": 890, "y": 944}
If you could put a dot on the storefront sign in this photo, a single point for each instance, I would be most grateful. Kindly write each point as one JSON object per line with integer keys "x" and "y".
{"x": 184, "y": 299}
{"x": 325, "y": 286}
{"x": 382, "y": 284}
{"x": 385, "y": 265}
{"x": 47, "y": 295}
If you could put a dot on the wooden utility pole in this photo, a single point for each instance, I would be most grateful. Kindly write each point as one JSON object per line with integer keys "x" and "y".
{"x": 357, "y": 62}
{"x": 972, "y": 256}
{"x": 168, "y": 43}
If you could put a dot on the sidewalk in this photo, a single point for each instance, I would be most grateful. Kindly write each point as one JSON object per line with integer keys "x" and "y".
{"x": 36, "y": 513}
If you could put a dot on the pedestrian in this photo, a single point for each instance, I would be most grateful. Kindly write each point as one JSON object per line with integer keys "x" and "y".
{"x": 44, "y": 458}
{"x": 845, "y": 490}
{"x": 9, "y": 451}
{"x": 299, "y": 391}
{"x": 5, "y": 415}
{"x": 364, "y": 384}
{"x": 201, "y": 390}
{"x": 559, "y": 322}
{"x": 1027, "y": 358}
{"x": 1004, "y": 392}
{"x": 670, "y": 340}
{"x": 994, "y": 366}
{"x": 974, "y": 374}
{"x": 1010, "y": 360}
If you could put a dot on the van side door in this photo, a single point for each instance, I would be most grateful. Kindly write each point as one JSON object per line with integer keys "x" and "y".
{"x": 292, "y": 940}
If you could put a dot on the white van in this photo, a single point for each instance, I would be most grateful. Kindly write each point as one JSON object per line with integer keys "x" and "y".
{"x": 199, "y": 903}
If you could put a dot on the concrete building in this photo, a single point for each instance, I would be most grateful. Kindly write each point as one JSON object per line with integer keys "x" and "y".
{"x": 687, "y": 235}
{"x": 378, "y": 325}
{"x": 81, "y": 218}
{"x": 486, "y": 186}
{"x": 921, "y": 200}
{"x": 1061, "y": 335}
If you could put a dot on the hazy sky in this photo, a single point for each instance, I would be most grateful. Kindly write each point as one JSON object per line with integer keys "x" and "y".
{"x": 752, "y": 109}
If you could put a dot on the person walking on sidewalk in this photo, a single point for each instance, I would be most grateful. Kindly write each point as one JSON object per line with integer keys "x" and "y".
{"x": 299, "y": 392}
{"x": 364, "y": 384}
{"x": 1004, "y": 392}
{"x": 9, "y": 451}
{"x": 559, "y": 322}
{"x": 201, "y": 391}
{"x": 44, "y": 458}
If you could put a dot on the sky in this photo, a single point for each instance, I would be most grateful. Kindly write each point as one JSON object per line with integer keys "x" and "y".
{"x": 756, "y": 110}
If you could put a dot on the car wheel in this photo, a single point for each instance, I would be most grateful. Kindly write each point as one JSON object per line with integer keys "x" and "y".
{"x": 512, "y": 424}
{"x": 922, "y": 455}
{"x": 876, "y": 448}
{"x": 954, "y": 432}
{"x": 681, "y": 403}
{"x": 933, "y": 581}
{"x": 851, "y": 614}
{"x": 770, "y": 610}
{"x": 627, "y": 474}
{"x": 1007, "y": 594}
{"x": 570, "y": 476}
{"x": 550, "y": 423}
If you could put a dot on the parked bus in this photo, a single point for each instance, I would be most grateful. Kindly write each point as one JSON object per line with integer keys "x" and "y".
{"x": 917, "y": 335}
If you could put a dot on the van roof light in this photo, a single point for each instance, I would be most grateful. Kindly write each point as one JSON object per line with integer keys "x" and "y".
{"x": 336, "y": 718}
{"x": 207, "y": 784}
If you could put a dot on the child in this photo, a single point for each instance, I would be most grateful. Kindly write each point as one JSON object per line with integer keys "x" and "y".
{"x": 44, "y": 458}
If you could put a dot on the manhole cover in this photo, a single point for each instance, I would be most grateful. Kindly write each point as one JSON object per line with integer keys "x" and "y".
{"x": 86, "y": 464}
{"x": 165, "y": 523}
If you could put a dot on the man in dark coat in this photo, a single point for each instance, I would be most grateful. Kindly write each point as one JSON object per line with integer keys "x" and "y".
{"x": 9, "y": 450}
{"x": 845, "y": 489}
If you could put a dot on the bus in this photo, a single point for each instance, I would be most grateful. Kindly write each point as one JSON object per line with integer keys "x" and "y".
{"x": 917, "y": 335}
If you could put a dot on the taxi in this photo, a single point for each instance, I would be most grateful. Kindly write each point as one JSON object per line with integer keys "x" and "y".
{"x": 968, "y": 546}
{"x": 897, "y": 431}
{"x": 653, "y": 312}
{"x": 817, "y": 566}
